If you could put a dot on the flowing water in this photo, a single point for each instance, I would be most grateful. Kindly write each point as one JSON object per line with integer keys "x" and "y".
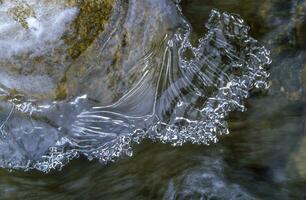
{"x": 155, "y": 87}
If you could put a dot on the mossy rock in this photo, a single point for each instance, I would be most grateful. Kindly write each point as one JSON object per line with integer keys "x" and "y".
{"x": 90, "y": 22}
{"x": 21, "y": 12}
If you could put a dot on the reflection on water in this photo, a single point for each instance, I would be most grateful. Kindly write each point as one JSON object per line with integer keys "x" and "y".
{"x": 263, "y": 157}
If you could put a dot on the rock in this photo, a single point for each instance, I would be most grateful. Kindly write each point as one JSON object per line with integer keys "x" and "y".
{"x": 43, "y": 53}
{"x": 112, "y": 65}
{"x": 91, "y": 46}
{"x": 33, "y": 56}
{"x": 21, "y": 12}
{"x": 89, "y": 23}
{"x": 68, "y": 51}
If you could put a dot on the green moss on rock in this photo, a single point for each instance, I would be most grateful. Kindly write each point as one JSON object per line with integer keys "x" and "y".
{"x": 89, "y": 23}
{"x": 21, "y": 12}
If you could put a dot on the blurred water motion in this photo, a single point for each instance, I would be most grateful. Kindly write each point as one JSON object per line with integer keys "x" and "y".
{"x": 262, "y": 158}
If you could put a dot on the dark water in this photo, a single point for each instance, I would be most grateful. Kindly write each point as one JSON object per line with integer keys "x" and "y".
{"x": 264, "y": 157}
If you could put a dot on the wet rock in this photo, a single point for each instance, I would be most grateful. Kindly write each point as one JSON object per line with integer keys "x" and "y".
{"x": 89, "y": 23}
{"x": 50, "y": 35}
{"x": 111, "y": 62}
{"x": 70, "y": 54}
{"x": 98, "y": 39}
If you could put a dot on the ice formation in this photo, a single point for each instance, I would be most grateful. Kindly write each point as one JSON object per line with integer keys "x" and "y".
{"x": 170, "y": 90}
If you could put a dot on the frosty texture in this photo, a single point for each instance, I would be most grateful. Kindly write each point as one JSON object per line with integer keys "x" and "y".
{"x": 174, "y": 93}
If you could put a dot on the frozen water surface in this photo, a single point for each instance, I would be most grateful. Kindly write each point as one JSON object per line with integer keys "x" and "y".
{"x": 146, "y": 79}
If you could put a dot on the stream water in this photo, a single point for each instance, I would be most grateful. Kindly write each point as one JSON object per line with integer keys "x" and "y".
{"x": 171, "y": 76}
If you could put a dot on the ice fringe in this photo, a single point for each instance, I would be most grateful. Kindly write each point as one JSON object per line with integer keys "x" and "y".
{"x": 184, "y": 95}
